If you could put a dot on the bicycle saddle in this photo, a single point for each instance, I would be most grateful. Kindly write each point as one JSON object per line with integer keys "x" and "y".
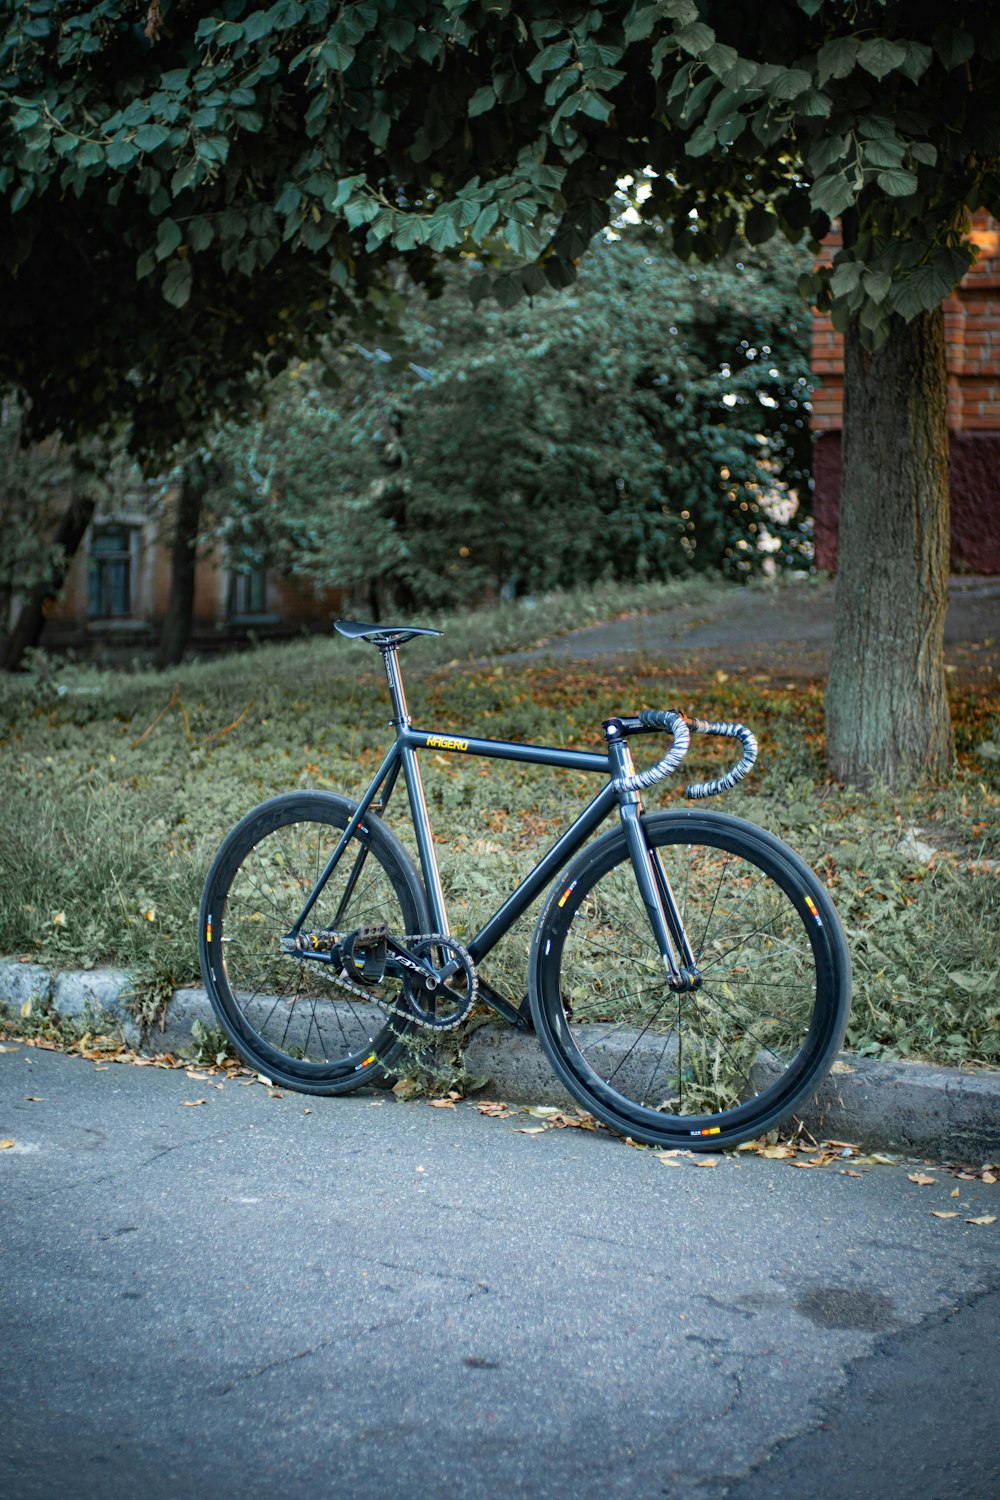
{"x": 381, "y": 635}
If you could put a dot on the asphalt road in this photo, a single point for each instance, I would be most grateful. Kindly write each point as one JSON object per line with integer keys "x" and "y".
{"x": 781, "y": 632}
{"x": 259, "y": 1296}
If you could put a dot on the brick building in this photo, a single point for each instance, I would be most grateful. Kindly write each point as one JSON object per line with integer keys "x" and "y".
{"x": 972, "y": 331}
{"x": 118, "y": 588}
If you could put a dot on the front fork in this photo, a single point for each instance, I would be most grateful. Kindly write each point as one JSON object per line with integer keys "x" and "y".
{"x": 654, "y": 887}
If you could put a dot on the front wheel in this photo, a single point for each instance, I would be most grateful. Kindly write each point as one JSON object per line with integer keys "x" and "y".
{"x": 290, "y": 1016}
{"x": 720, "y": 1064}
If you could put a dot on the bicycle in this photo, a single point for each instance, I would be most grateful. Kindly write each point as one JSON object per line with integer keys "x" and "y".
{"x": 688, "y": 976}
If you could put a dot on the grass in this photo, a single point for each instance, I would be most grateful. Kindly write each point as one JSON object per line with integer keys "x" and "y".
{"x": 118, "y": 787}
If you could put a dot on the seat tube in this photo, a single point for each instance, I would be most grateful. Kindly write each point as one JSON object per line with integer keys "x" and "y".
{"x": 655, "y": 895}
{"x": 415, "y": 792}
{"x": 394, "y": 677}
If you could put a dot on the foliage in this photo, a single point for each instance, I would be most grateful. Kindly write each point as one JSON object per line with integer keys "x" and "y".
{"x": 110, "y": 829}
{"x": 244, "y": 169}
{"x": 647, "y": 421}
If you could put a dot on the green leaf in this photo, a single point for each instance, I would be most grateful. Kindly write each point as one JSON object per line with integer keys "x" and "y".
{"x": 257, "y": 25}
{"x": 925, "y": 152}
{"x": 886, "y": 153}
{"x": 837, "y": 58}
{"x": 721, "y": 59}
{"x": 149, "y": 137}
{"x": 548, "y": 60}
{"x": 880, "y": 56}
{"x": 897, "y": 182}
{"x": 20, "y": 197}
{"x": 789, "y": 83}
{"x": 876, "y": 128}
{"x": 288, "y": 200}
{"x": 177, "y": 282}
{"x": 200, "y": 233}
{"x": 760, "y": 225}
{"x": 918, "y": 59}
{"x": 482, "y": 100}
{"x": 167, "y": 239}
{"x": 695, "y": 38}
{"x": 931, "y": 286}
{"x": 846, "y": 275}
{"x": 877, "y": 285}
{"x": 832, "y": 194}
{"x": 953, "y": 46}
{"x": 524, "y": 239}
{"x": 825, "y": 153}
{"x": 397, "y": 33}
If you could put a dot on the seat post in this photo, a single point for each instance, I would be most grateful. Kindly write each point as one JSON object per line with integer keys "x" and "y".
{"x": 394, "y": 677}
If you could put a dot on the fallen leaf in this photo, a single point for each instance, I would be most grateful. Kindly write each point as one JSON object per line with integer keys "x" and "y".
{"x": 191, "y": 1073}
{"x": 668, "y": 1158}
{"x": 275, "y": 1094}
{"x": 530, "y": 1129}
{"x": 25, "y": 1010}
{"x": 6, "y": 1145}
{"x": 941, "y": 1213}
{"x": 922, "y": 1179}
{"x": 847, "y": 1172}
{"x": 989, "y": 1177}
{"x": 441, "y": 1103}
{"x": 955, "y": 1193}
{"x": 34, "y": 1098}
{"x": 8, "y": 1049}
{"x": 777, "y": 1153}
{"x": 707, "y": 1161}
{"x": 494, "y": 1107}
{"x": 307, "y": 1111}
{"x": 192, "y": 1103}
{"x": 268, "y": 1081}
{"x": 542, "y": 1111}
{"x": 986, "y": 1219}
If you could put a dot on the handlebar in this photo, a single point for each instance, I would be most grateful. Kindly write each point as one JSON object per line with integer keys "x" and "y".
{"x": 726, "y": 782}
{"x": 680, "y": 725}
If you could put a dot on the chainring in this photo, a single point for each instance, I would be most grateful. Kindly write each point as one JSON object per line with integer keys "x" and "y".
{"x": 443, "y": 1004}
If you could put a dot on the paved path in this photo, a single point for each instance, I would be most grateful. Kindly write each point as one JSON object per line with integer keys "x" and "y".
{"x": 787, "y": 631}
{"x": 257, "y": 1296}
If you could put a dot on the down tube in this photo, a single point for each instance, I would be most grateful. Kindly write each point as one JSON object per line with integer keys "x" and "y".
{"x": 548, "y": 867}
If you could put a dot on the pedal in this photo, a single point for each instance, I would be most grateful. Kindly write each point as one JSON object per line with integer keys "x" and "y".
{"x": 365, "y": 952}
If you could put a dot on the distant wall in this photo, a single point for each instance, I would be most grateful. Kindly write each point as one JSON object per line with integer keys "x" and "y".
{"x": 972, "y": 332}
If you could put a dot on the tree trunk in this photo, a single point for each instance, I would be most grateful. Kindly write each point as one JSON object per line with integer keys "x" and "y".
{"x": 30, "y": 622}
{"x": 886, "y": 705}
{"x": 175, "y": 631}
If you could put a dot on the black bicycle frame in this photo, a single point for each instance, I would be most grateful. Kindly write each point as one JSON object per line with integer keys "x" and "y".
{"x": 654, "y": 887}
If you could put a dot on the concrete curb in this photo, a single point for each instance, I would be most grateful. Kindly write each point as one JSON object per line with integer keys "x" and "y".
{"x": 913, "y": 1108}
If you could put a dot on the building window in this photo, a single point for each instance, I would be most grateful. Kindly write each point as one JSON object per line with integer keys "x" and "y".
{"x": 248, "y": 592}
{"x": 110, "y": 573}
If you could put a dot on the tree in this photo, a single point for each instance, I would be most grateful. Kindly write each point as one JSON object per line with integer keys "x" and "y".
{"x": 237, "y": 156}
{"x": 647, "y": 421}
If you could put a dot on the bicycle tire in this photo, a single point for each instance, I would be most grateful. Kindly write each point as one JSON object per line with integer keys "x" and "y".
{"x": 727, "y": 1062}
{"x": 285, "y": 1015}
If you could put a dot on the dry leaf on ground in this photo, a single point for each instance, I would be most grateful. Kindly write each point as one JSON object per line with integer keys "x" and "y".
{"x": 192, "y": 1103}
{"x": 922, "y": 1179}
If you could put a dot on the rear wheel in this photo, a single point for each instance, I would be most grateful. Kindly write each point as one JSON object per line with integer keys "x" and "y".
{"x": 286, "y": 1014}
{"x": 727, "y": 1061}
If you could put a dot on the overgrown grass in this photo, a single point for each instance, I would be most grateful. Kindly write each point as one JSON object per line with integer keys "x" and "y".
{"x": 117, "y": 789}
